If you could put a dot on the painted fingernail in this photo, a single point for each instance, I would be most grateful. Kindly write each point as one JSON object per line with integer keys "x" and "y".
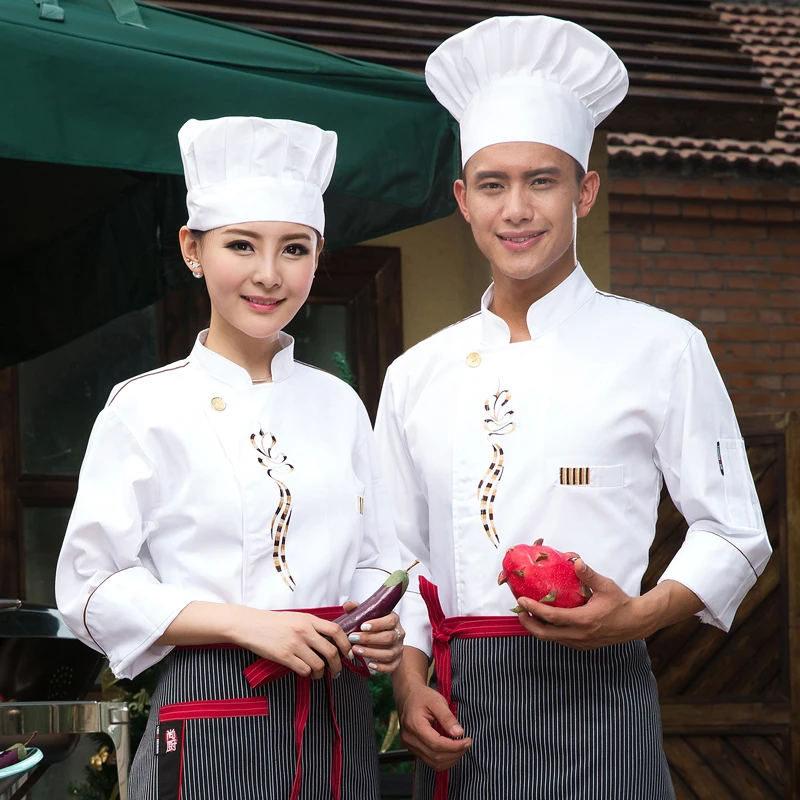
{"x": 337, "y": 675}
{"x": 354, "y": 637}
{"x": 359, "y": 650}
{"x": 351, "y": 656}
{"x": 373, "y": 667}
{"x": 367, "y": 626}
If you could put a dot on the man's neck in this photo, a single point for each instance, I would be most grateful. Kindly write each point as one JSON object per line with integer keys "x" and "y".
{"x": 512, "y": 297}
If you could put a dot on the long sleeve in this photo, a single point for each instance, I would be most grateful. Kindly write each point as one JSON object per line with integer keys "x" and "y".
{"x": 409, "y": 508}
{"x": 108, "y": 598}
{"x": 704, "y": 462}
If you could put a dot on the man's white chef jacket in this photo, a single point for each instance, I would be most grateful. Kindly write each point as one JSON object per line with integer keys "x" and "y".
{"x": 605, "y": 383}
{"x": 174, "y": 506}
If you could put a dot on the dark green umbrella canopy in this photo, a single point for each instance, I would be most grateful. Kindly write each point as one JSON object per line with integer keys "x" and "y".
{"x": 90, "y": 167}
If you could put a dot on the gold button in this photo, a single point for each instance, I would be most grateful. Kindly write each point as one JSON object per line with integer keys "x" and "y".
{"x": 217, "y": 403}
{"x": 474, "y": 360}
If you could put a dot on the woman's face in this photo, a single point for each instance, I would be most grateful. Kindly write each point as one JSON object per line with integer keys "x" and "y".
{"x": 258, "y": 274}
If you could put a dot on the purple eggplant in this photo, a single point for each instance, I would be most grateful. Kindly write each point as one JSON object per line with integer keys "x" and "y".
{"x": 379, "y": 604}
{"x": 14, "y": 754}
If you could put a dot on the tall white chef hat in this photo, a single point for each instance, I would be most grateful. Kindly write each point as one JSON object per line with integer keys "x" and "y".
{"x": 527, "y": 79}
{"x": 248, "y": 169}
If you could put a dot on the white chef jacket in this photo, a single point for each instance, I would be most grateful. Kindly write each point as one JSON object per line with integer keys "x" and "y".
{"x": 173, "y": 505}
{"x": 605, "y": 383}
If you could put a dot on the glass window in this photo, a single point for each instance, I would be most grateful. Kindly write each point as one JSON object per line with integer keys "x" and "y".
{"x": 43, "y": 531}
{"x": 62, "y": 391}
{"x": 320, "y": 333}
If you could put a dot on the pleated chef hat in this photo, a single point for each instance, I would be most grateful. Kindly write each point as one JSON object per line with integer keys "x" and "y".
{"x": 248, "y": 169}
{"x": 527, "y": 79}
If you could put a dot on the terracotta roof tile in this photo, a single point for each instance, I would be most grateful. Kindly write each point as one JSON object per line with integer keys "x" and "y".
{"x": 770, "y": 33}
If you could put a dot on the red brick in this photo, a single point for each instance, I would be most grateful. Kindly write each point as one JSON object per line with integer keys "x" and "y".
{"x": 772, "y": 382}
{"x": 710, "y": 246}
{"x": 682, "y": 279}
{"x": 653, "y": 278}
{"x": 735, "y": 247}
{"x": 785, "y": 334}
{"x": 659, "y": 188}
{"x": 794, "y": 194}
{"x": 709, "y": 280}
{"x": 713, "y": 315}
{"x": 688, "y": 189}
{"x": 740, "y": 264}
{"x": 751, "y": 400}
{"x": 740, "y": 350}
{"x": 771, "y": 191}
{"x": 769, "y": 316}
{"x": 715, "y": 191}
{"x": 785, "y": 300}
{"x": 640, "y": 205}
{"x": 789, "y": 366}
{"x": 667, "y": 299}
{"x": 695, "y": 210}
{"x": 677, "y": 244}
{"x": 793, "y": 317}
{"x": 681, "y": 227}
{"x": 689, "y": 314}
{"x": 717, "y": 348}
{"x": 742, "y": 316}
{"x": 752, "y": 213}
{"x": 724, "y": 211}
{"x": 698, "y": 263}
{"x": 744, "y": 192}
{"x": 767, "y": 248}
{"x": 740, "y": 382}
{"x": 792, "y": 249}
{"x": 739, "y": 299}
{"x": 624, "y": 277}
{"x": 621, "y": 241}
{"x": 667, "y": 208}
{"x": 740, "y": 282}
{"x": 642, "y": 295}
{"x": 630, "y": 261}
{"x": 787, "y": 399}
{"x": 739, "y": 231}
{"x": 626, "y": 186}
{"x": 693, "y": 298}
{"x": 784, "y": 231}
{"x": 791, "y": 284}
{"x": 791, "y": 351}
{"x": 767, "y": 283}
{"x": 652, "y": 244}
{"x": 779, "y": 214}
{"x": 614, "y": 204}
{"x": 638, "y": 225}
{"x": 743, "y": 333}
{"x": 756, "y": 366}
{"x": 791, "y": 382}
{"x": 769, "y": 350}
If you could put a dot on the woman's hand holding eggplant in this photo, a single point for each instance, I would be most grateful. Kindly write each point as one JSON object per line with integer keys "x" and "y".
{"x": 378, "y": 641}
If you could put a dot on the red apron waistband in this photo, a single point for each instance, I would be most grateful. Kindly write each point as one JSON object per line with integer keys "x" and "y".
{"x": 443, "y": 630}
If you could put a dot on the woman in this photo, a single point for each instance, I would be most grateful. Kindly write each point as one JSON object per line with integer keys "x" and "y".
{"x": 237, "y": 482}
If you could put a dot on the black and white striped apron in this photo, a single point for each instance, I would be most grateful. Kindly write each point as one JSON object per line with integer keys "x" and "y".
{"x": 547, "y": 722}
{"x": 225, "y": 725}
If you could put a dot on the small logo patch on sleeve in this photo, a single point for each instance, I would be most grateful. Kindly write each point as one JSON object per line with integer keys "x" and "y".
{"x": 575, "y": 476}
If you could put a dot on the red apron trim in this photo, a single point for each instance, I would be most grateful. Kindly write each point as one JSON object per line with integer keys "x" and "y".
{"x": 215, "y": 709}
{"x": 264, "y": 671}
{"x": 443, "y": 630}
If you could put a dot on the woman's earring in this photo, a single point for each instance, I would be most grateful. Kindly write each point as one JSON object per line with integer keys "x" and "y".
{"x": 195, "y": 267}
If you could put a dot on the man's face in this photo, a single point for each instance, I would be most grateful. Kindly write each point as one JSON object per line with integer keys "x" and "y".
{"x": 523, "y": 201}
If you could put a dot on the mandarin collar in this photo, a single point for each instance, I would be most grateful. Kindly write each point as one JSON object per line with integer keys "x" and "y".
{"x": 224, "y": 370}
{"x": 544, "y": 315}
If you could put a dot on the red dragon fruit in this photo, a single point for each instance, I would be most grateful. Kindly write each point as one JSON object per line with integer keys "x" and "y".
{"x": 544, "y": 574}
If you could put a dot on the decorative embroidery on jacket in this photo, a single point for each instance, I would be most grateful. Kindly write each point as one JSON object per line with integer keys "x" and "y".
{"x": 498, "y": 423}
{"x": 279, "y": 527}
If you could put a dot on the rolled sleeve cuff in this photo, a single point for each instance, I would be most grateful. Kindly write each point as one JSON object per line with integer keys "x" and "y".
{"x": 127, "y": 613}
{"x": 414, "y": 618}
{"x": 717, "y": 572}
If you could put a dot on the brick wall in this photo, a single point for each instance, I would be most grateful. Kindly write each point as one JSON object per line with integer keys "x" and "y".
{"x": 725, "y": 256}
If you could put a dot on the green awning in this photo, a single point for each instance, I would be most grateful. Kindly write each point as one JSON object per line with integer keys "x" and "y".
{"x": 89, "y": 157}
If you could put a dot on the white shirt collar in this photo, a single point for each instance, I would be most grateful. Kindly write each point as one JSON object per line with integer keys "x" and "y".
{"x": 544, "y": 315}
{"x": 226, "y": 371}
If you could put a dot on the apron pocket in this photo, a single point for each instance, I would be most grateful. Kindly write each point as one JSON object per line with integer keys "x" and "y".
{"x": 174, "y": 721}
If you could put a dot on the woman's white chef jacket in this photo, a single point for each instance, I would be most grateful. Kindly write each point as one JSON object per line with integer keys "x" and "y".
{"x": 174, "y": 506}
{"x": 623, "y": 389}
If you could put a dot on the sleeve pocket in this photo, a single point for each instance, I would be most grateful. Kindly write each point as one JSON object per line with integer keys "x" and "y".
{"x": 735, "y": 471}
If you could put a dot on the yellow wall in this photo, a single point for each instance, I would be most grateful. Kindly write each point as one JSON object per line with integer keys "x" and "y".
{"x": 444, "y": 273}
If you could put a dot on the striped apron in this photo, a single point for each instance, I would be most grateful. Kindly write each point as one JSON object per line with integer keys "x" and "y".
{"x": 224, "y": 726}
{"x": 546, "y": 722}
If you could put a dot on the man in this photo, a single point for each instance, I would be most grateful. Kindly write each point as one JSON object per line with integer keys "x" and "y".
{"x": 554, "y": 413}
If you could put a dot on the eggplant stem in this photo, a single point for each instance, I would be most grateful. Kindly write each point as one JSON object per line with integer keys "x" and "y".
{"x": 30, "y": 738}
{"x": 413, "y": 565}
